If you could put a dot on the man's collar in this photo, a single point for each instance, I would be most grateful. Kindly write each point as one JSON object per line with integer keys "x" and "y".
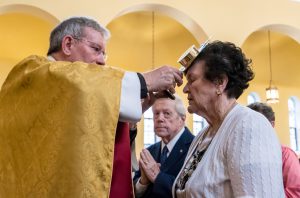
{"x": 172, "y": 142}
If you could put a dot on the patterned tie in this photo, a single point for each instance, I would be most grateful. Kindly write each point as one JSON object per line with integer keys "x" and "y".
{"x": 164, "y": 155}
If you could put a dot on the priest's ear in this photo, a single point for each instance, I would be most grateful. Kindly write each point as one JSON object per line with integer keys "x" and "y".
{"x": 66, "y": 44}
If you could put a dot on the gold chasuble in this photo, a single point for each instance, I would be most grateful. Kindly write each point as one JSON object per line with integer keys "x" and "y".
{"x": 57, "y": 129}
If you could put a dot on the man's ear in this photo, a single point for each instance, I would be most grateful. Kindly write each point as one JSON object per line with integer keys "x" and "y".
{"x": 273, "y": 124}
{"x": 183, "y": 118}
{"x": 66, "y": 44}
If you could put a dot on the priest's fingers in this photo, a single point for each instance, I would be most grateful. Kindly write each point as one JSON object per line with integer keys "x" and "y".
{"x": 171, "y": 90}
{"x": 178, "y": 77}
{"x": 148, "y": 102}
{"x": 162, "y": 78}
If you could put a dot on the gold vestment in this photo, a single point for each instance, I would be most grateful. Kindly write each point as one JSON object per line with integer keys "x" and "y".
{"x": 57, "y": 129}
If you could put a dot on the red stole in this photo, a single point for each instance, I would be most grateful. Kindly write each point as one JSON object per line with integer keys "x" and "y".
{"x": 121, "y": 184}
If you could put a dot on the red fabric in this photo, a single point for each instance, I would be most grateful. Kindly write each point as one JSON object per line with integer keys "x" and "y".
{"x": 121, "y": 184}
{"x": 291, "y": 173}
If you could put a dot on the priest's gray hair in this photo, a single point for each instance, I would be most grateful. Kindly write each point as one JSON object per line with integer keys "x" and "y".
{"x": 74, "y": 27}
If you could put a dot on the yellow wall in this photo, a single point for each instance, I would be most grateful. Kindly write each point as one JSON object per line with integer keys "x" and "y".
{"x": 280, "y": 109}
{"x": 285, "y": 71}
{"x": 21, "y": 35}
{"x": 25, "y": 29}
{"x": 131, "y": 47}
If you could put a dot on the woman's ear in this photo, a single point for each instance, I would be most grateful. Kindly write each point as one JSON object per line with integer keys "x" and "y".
{"x": 221, "y": 83}
{"x": 66, "y": 44}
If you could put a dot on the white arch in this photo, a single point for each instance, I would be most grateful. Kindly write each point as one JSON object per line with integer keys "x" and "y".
{"x": 30, "y": 10}
{"x": 284, "y": 29}
{"x": 173, "y": 13}
{"x": 288, "y": 30}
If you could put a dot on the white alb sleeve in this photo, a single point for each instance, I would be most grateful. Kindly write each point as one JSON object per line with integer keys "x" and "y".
{"x": 130, "y": 104}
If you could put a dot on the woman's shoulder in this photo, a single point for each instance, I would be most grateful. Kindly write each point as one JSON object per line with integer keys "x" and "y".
{"x": 246, "y": 116}
{"x": 246, "y": 123}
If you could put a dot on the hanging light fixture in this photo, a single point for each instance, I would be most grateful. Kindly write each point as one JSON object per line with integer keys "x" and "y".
{"x": 272, "y": 93}
{"x": 167, "y": 92}
{"x": 153, "y": 41}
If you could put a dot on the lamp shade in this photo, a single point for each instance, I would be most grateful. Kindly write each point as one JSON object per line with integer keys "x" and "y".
{"x": 272, "y": 95}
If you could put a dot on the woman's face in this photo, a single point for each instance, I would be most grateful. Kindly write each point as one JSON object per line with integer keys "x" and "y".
{"x": 201, "y": 92}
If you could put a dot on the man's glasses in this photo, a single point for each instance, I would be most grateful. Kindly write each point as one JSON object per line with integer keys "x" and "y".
{"x": 94, "y": 46}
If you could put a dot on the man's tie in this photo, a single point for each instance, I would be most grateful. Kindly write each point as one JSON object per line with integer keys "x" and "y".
{"x": 164, "y": 155}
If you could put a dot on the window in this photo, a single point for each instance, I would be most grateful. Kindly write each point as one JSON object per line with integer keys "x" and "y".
{"x": 149, "y": 135}
{"x": 252, "y": 98}
{"x": 294, "y": 123}
{"x": 198, "y": 123}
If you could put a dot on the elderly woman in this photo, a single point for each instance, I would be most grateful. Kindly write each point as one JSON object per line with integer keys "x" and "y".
{"x": 238, "y": 154}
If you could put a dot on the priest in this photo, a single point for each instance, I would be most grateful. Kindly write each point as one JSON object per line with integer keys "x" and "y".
{"x": 63, "y": 123}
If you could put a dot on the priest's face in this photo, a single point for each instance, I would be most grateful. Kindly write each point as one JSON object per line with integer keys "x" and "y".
{"x": 167, "y": 122}
{"x": 90, "y": 48}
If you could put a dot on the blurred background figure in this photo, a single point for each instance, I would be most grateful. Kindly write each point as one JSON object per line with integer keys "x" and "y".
{"x": 290, "y": 161}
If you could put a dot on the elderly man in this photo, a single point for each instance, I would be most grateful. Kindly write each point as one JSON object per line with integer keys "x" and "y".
{"x": 62, "y": 134}
{"x": 161, "y": 162}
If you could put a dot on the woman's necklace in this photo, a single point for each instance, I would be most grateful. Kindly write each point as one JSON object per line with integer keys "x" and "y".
{"x": 194, "y": 160}
{"x": 199, "y": 151}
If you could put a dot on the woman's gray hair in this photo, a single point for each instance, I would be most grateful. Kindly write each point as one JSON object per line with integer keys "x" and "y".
{"x": 74, "y": 27}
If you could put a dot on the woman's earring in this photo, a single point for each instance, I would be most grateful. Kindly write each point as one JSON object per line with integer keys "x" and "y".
{"x": 218, "y": 92}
